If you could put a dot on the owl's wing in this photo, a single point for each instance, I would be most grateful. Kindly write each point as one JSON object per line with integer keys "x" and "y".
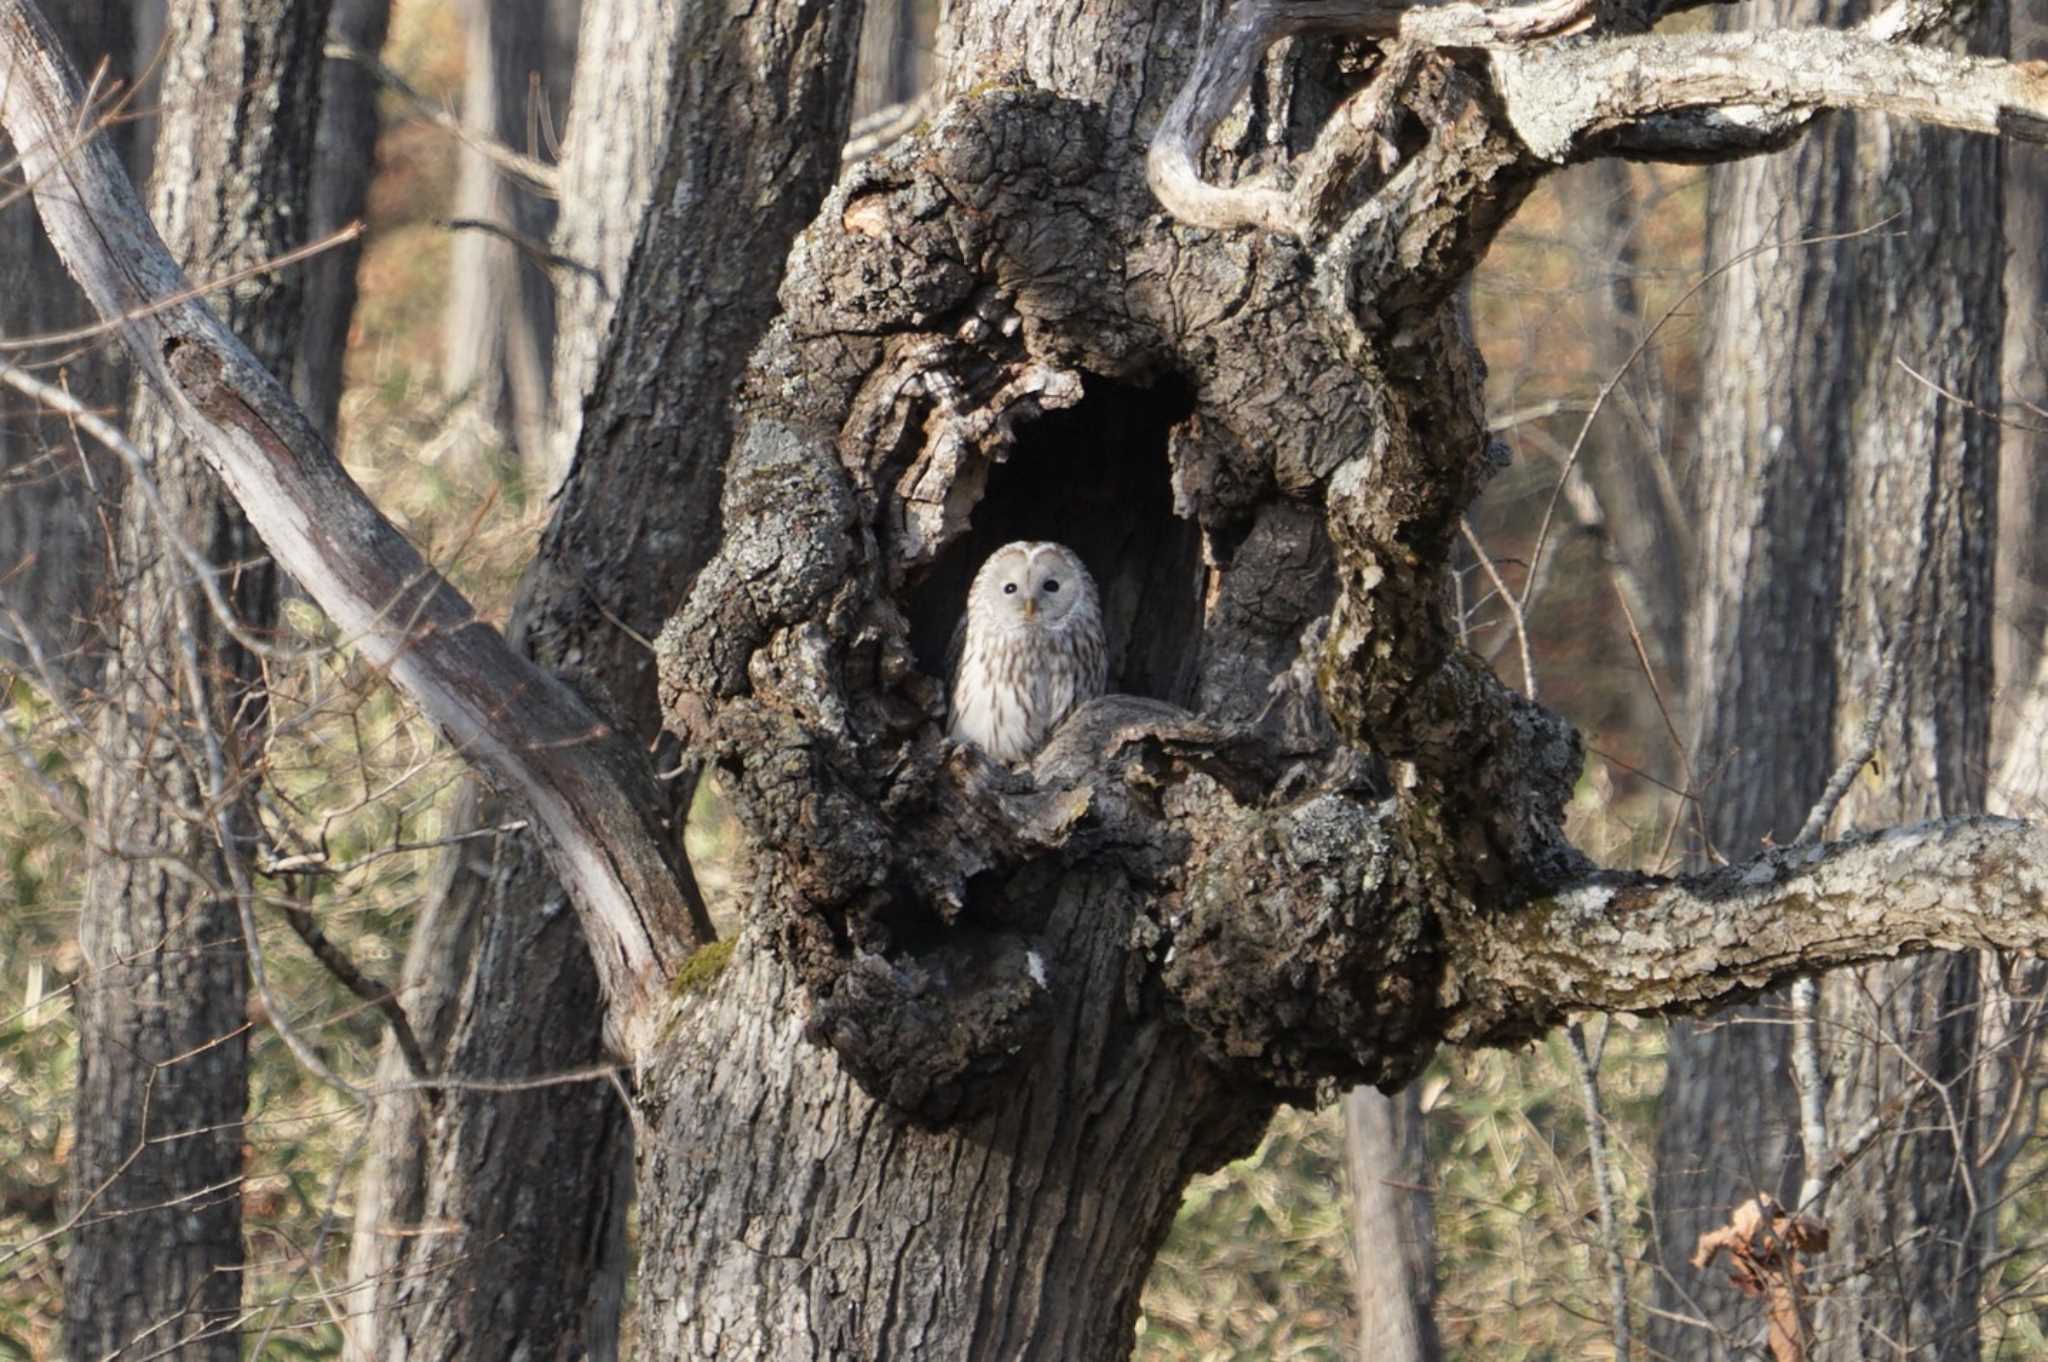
{"x": 956, "y": 648}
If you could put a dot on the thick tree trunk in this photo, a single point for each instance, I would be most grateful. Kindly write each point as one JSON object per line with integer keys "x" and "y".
{"x": 498, "y": 981}
{"x": 53, "y": 487}
{"x": 1829, "y": 474}
{"x": 1900, "y": 1040}
{"x": 156, "y": 1258}
{"x": 1393, "y": 1226}
{"x": 1773, "y": 447}
{"x": 500, "y": 329}
{"x": 989, "y": 335}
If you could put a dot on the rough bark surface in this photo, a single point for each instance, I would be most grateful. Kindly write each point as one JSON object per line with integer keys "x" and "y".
{"x": 162, "y": 1084}
{"x": 1830, "y": 476}
{"x": 989, "y": 333}
{"x": 54, "y": 487}
{"x": 503, "y": 983}
{"x": 1921, "y": 508}
{"x": 1772, "y": 477}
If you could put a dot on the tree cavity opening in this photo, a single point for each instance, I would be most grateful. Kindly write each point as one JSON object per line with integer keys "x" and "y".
{"x": 1095, "y": 477}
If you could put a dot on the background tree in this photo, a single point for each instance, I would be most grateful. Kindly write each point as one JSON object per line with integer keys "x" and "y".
{"x": 156, "y": 1250}
{"x": 501, "y": 309}
{"x": 51, "y": 568}
{"x": 1830, "y": 474}
{"x": 996, "y": 957}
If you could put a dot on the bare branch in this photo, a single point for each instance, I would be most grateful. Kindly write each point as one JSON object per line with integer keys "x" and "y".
{"x": 1643, "y": 944}
{"x": 539, "y": 174}
{"x": 1712, "y": 96}
{"x": 589, "y": 790}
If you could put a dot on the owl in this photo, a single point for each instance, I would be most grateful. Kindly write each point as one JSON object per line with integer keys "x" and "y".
{"x": 1029, "y": 651}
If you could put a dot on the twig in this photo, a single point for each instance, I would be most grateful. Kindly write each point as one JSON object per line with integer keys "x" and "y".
{"x": 533, "y": 250}
{"x": 1508, "y": 598}
{"x": 1603, "y": 1188}
{"x": 539, "y": 174}
{"x": 377, "y": 994}
{"x": 1613, "y": 381}
{"x": 204, "y": 571}
{"x": 222, "y": 804}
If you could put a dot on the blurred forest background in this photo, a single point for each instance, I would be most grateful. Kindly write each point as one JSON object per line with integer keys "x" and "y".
{"x": 1588, "y": 313}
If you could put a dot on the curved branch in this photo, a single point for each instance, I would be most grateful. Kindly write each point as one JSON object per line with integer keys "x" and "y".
{"x": 1688, "y": 97}
{"x": 1634, "y": 943}
{"x": 589, "y": 790}
{"x": 1223, "y": 72}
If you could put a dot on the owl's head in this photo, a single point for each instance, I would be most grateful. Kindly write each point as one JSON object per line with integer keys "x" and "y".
{"x": 1032, "y": 585}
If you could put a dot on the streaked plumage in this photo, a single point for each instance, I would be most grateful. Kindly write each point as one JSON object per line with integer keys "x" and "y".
{"x": 1030, "y": 650}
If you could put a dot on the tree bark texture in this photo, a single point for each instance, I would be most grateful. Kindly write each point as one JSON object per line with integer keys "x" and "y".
{"x": 1919, "y": 535}
{"x": 500, "y": 329}
{"x": 1393, "y": 1226}
{"x": 2022, "y": 568}
{"x": 989, "y": 334}
{"x": 54, "y": 487}
{"x": 155, "y": 1260}
{"x": 1829, "y": 473}
{"x": 496, "y": 972}
{"x": 1771, "y": 480}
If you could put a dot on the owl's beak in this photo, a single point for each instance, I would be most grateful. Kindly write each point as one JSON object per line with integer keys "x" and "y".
{"x": 1031, "y": 607}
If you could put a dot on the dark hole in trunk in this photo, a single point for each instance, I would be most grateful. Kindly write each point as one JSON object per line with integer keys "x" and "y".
{"x": 1095, "y": 478}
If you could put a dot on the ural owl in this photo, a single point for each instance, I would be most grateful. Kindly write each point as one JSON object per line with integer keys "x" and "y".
{"x": 1028, "y": 652}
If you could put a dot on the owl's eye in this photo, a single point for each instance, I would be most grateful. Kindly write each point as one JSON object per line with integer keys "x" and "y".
{"x": 1009, "y": 588}
{"x": 1052, "y": 584}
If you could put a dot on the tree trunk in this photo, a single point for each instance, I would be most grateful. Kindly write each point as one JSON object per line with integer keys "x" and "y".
{"x": 1772, "y": 455}
{"x": 156, "y": 1258}
{"x": 988, "y": 335}
{"x": 53, "y": 487}
{"x": 2022, "y": 567}
{"x": 889, "y": 71}
{"x": 346, "y": 152}
{"x": 1921, "y": 506}
{"x": 1393, "y": 1226}
{"x": 635, "y": 525}
{"x": 618, "y": 115}
{"x": 1828, "y": 473}
{"x": 500, "y": 328}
